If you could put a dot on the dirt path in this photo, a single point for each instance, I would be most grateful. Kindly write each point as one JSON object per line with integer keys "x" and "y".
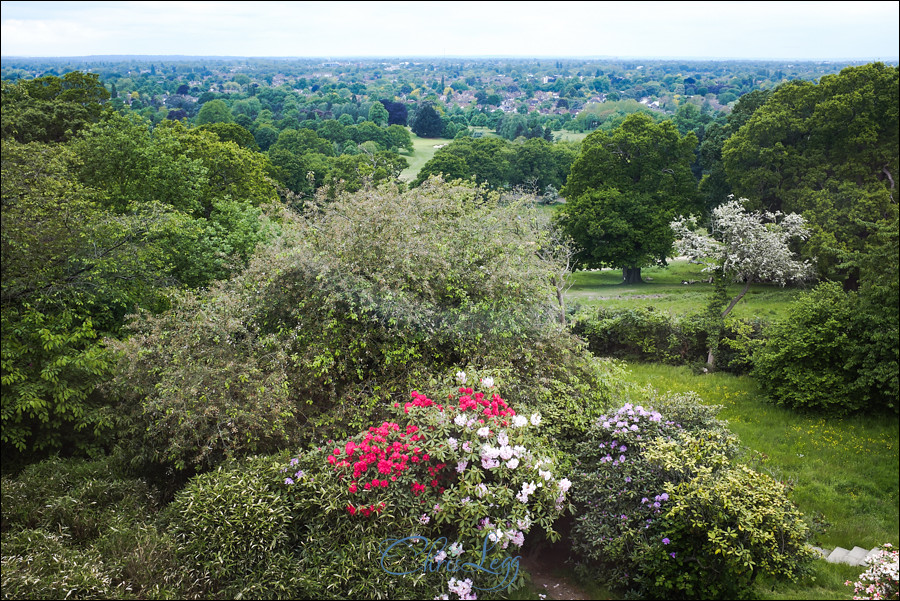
{"x": 545, "y": 579}
{"x": 547, "y": 566}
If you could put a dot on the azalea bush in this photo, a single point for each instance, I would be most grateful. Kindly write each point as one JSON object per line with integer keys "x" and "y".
{"x": 879, "y": 581}
{"x": 664, "y": 510}
{"x": 466, "y": 472}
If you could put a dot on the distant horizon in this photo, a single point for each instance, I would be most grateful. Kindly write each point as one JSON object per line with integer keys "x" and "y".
{"x": 650, "y": 30}
{"x": 453, "y": 56}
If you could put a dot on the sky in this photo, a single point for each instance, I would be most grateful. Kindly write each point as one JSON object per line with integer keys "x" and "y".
{"x": 716, "y": 30}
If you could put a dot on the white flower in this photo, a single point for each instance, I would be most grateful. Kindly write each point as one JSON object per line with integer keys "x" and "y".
{"x": 545, "y": 475}
{"x": 452, "y": 442}
{"x": 467, "y": 447}
{"x": 490, "y": 452}
{"x": 502, "y": 439}
{"x": 512, "y": 463}
{"x": 481, "y": 489}
{"x": 518, "y": 450}
{"x": 455, "y": 549}
{"x": 461, "y": 377}
{"x": 484, "y": 432}
{"x": 441, "y": 556}
{"x": 505, "y": 452}
{"x": 424, "y": 519}
{"x": 461, "y": 466}
{"x": 564, "y": 485}
{"x": 460, "y": 420}
{"x": 488, "y": 463}
{"x": 520, "y": 421}
{"x": 487, "y": 382}
{"x": 535, "y": 419}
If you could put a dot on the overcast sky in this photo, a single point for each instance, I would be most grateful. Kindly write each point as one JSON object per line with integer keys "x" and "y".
{"x": 760, "y": 30}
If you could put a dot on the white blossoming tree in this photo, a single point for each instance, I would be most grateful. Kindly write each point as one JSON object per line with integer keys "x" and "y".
{"x": 743, "y": 247}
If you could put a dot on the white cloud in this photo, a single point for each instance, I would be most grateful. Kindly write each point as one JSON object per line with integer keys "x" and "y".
{"x": 685, "y": 29}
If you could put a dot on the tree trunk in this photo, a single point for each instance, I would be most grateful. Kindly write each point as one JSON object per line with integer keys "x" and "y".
{"x": 735, "y": 300}
{"x": 710, "y": 358}
{"x": 632, "y": 275}
{"x": 561, "y": 299}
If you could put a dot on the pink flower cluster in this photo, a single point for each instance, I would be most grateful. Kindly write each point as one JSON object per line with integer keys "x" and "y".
{"x": 387, "y": 450}
{"x": 496, "y": 407}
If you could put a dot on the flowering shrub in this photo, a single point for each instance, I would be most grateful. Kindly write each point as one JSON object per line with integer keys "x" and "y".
{"x": 880, "y": 580}
{"x": 468, "y": 473}
{"x": 664, "y": 510}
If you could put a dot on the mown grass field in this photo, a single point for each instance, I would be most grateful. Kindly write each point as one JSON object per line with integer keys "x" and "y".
{"x": 423, "y": 150}
{"x": 664, "y": 290}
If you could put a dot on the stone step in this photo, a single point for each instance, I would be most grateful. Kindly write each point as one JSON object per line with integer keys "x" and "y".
{"x": 837, "y": 556}
{"x": 856, "y": 556}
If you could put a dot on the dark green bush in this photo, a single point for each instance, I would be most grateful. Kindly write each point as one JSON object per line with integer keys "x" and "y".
{"x": 234, "y": 531}
{"x": 827, "y": 355}
{"x": 81, "y": 498}
{"x": 646, "y": 334}
{"x": 76, "y": 528}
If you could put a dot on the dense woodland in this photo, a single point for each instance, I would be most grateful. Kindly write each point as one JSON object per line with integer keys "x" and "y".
{"x": 216, "y": 286}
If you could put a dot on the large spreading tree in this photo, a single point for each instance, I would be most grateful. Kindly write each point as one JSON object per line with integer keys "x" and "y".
{"x": 624, "y": 189}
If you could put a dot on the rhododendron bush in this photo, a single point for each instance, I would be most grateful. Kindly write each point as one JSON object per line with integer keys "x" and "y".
{"x": 663, "y": 509}
{"x": 880, "y": 580}
{"x": 465, "y": 471}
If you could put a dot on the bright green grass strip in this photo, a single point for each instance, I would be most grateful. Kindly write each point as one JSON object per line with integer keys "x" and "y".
{"x": 664, "y": 290}
{"x": 825, "y": 582}
{"x": 423, "y": 151}
{"x": 569, "y": 136}
{"x": 843, "y": 470}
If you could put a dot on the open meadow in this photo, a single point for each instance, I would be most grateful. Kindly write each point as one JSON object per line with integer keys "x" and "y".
{"x": 664, "y": 289}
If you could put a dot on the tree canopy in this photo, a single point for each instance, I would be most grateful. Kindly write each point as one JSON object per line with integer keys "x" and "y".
{"x": 623, "y": 190}
{"x": 829, "y": 151}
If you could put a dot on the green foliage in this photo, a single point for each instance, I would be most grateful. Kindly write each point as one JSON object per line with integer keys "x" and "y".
{"x": 78, "y": 528}
{"x": 622, "y": 187}
{"x": 341, "y": 313}
{"x": 234, "y": 532}
{"x": 52, "y": 362}
{"x": 212, "y": 189}
{"x": 50, "y": 108}
{"x": 724, "y": 532}
{"x": 198, "y": 385}
{"x": 71, "y": 270}
{"x": 663, "y": 509}
{"x": 214, "y": 111}
{"x": 232, "y": 132}
{"x": 643, "y": 334}
{"x": 427, "y": 122}
{"x": 826, "y": 356}
{"x": 828, "y": 151}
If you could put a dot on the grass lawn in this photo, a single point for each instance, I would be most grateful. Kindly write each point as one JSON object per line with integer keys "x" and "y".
{"x": 423, "y": 150}
{"x": 569, "y": 136}
{"x": 842, "y": 472}
{"x": 663, "y": 290}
